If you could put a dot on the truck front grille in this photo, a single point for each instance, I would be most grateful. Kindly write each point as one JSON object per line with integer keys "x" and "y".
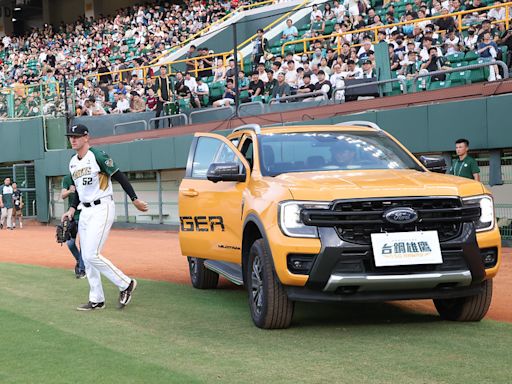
{"x": 355, "y": 220}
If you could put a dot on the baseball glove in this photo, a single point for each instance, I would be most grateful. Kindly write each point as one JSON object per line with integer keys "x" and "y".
{"x": 65, "y": 231}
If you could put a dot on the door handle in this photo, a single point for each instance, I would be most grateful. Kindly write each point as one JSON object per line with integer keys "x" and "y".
{"x": 190, "y": 193}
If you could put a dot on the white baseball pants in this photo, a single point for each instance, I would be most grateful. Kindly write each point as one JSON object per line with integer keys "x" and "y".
{"x": 93, "y": 227}
{"x": 6, "y": 213}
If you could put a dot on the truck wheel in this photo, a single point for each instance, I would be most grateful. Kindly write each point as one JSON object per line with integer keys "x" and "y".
{"x": 268, "y": 302}
{"x": 471, "y": 308}
{"x": 200, "y": 276}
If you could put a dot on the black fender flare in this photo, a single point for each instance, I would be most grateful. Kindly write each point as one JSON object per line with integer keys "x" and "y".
{"x": 254, "y": 219}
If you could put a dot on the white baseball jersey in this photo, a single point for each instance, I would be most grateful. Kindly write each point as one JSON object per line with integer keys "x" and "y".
{"x": 91, "y": 175}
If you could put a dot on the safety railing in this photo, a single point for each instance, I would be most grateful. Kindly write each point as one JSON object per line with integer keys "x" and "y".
{"x": 299, "y": 96}
{"x": 209, "y": 27}
{"x": 181, "y": 117}
{"x": 370, "y": 83}
{"x": 194, "y": 115}
{"x": 374, "y": 29}
{"x": 35, "y": 100}
{"x": 252, "y": 108}
{"x": 143, "y": 122}
{"x": 461, "y": 69}
{"x": 194, "y": 61}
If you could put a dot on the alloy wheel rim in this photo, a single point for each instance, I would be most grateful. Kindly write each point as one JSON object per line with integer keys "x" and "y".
{"x": 257, "y": 285}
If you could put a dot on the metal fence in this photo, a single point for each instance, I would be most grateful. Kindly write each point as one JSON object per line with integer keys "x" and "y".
{"x": 504, "y": 216}
{"x": 24, "y": 176}
{"x": 158, "y": 188}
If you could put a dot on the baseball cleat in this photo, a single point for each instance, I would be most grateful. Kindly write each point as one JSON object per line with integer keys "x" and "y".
{"x": 126, "y": 295}
{"x": 90, "y": 306}
{"x": 81, "y": 275}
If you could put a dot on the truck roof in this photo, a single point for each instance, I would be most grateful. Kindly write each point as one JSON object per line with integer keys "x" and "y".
{"x": 362, "y": 126}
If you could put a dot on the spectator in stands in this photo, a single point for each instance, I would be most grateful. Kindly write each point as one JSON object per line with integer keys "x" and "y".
{"x": 183, "y": 94}
{"x": 281, "y": 89}
{"x": 137, "y": 103}
{"x": 477, "y": 15}
{"x": 367, "y": 70}
{"x": 122, "y": 104}
{"x": 433, "y": 64}
{"x": 445, "y": 23}
{"x": 308, "y": 87}
{"x": 230, "y": 73}
{"x": 256, "y": 86}
{"x": 470, "y": 41}
{"x": 220, "y": 71}
{"x": 410, "y": 66}
{"x": 323, "y": 85}
{"x": 262, "y": 73}
{"x": 497, "y": 14}
{"x": 151, "y": 100}
{"x": 317, "y": 26}
{"x": 228, "y": 97}
{"x": 328, "y": 12}
{"x": 270, "y": 84}
{"x": 243, "y": 82}
{"x": 505, "y": 38}
{"x": 259, "y": 48}
{"x": 425, "y": 52}
{"x": 191, "y": 64}
{"x": 315, "y": 13}
{"x": 339, "y": 11}
{"x": 451, "y": 42}
{"x": 291, "y": 76}
{"x": 201, "y": 94}
{"x": 190, "y": 82}
{"x": 163, "y": 90}
{"x": 489, "y": 50}
{"x": 290, "y": 32}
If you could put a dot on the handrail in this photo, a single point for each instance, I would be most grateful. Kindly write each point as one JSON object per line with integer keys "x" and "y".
{"x": 378, "y": 82}
{"x": 144, "y": 123}
{"x": 271, "y": 25}
{"x": 208, "y": 110}
{"x": 243, "y": 106}
{"x": 462, "y": 69}
{"x": 198, "y": 58}
{"x": 300, "y": 96}
{"x": 209, "y": 27}
{"x": 375, "y": 29}
{"x": 170, "y": 117}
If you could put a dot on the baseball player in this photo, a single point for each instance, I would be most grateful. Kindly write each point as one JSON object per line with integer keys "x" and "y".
{"x": 92, "y": 171}
{"x": 17, "y": 199}
{"x": 68, "y": 192}
{"x": 6, "y": 203}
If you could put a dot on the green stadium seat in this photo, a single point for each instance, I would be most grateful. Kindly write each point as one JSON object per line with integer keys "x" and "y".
{"x": 439, "y": 85}
{"x": 479, "y": 74}
{"x": 471, "y": 55}
{"x": 460, "y": 78}
{"x": 459, "y": 64}
{"x": 455, "y": 57}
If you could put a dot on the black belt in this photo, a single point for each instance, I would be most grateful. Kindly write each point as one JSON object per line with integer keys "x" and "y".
{"x": 95, "y": 202}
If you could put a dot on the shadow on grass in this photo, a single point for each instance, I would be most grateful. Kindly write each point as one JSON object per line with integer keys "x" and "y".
{"x": 314, "y": 314}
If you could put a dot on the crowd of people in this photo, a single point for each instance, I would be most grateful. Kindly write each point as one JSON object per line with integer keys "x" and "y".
{"x": 93, "y": 47}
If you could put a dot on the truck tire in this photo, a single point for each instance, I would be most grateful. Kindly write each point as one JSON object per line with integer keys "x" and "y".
{"x": 471, "y": 308}
{"x": 268, "y": 302}
{"x": 200, "y": 276}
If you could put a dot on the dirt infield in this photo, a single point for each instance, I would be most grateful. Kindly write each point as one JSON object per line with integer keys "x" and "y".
{"x": 156, "y": 255}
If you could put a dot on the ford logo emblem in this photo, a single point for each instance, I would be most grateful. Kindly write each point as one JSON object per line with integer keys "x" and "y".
{"x": 401, "y": 215}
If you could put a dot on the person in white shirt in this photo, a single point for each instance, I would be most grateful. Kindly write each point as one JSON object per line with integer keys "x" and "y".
{"x": 291, "y": 75}
{"x": 315, "y": 12}
{"x": 497, "y": 13}
{"x": 452, "y": 42}
{"x": 190, "y": 82}
{"x": 262, "y": 73}
{"x": 367, "y": 71}
{"x": 201, "y": 91}
{"x": 339, "y": 11}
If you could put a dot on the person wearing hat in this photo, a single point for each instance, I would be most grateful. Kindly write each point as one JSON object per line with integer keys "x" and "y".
{"x": 92, "y": 171}
{"x": 368, "y": 71}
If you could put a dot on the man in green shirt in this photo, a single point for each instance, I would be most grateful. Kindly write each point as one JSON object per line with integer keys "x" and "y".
{"x": 6, "y": 203}
{"x": 68, "y": 192}
{"x": 465, "y": 165}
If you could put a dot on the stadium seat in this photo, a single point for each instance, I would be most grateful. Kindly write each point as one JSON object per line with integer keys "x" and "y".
{"x": 439, "y": 85}
{"x": 460, "y": 78}
{"x": 455, "y": 57}
{"x": 471, "y": 55}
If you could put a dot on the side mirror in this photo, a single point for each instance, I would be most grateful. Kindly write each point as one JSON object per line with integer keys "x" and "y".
{"x": 225, "y": 172}
{"x": 434, "y": 163}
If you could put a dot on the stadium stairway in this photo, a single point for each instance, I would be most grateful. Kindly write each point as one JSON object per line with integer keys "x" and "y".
{"x": 219, "y": 38}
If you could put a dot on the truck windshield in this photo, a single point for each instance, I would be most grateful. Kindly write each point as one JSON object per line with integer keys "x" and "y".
{"x": 330, "y": 151}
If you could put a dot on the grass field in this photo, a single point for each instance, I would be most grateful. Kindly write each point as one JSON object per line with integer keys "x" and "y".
{"x": 174, "y": 334}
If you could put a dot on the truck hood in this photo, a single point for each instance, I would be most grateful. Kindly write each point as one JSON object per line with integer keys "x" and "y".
{"x": 331, "y": 185}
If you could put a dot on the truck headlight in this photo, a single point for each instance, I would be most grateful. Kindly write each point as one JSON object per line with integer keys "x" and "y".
{"x": 486, "y": 221}
{"x": 290, "y": 221}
